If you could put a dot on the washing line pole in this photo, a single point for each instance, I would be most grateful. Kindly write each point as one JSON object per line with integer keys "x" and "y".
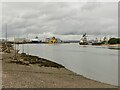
{"x": 6, "y": 32}
{"x": 15, "y": 48}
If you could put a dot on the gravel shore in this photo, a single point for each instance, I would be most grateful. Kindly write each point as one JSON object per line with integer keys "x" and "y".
{"x": 33, "y": 76}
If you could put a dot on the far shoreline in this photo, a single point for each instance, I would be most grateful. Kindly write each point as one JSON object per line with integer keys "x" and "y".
{"x": 113, "y": 45}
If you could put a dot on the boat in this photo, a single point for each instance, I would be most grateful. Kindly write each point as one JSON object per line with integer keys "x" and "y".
{"x": 83, "y": 40}
{"x": 35, "y": 40}
{"x": 53, "y": 40}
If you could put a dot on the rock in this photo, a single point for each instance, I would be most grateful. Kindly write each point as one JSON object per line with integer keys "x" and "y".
{"x": 26, "y": 62}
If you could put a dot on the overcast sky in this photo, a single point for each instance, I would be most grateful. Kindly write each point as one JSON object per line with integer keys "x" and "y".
{"x": 62, "y": 19}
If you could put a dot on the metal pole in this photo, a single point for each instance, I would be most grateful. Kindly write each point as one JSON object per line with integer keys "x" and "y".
{"x": 23, "y": 48}
{"x": 6, "y": 33}
{"x": 15, "y": 48}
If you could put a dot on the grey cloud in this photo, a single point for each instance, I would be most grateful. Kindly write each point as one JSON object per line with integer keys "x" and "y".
{"x": 61, "y": 18}
{"x": 91, "y": 6}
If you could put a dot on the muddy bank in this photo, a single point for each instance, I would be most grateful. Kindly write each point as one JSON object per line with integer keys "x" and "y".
{"x": 25, "y": 59}
{"x": 29, "y": 59}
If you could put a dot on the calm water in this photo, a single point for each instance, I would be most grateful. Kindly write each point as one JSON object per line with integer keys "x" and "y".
{"x": 94, "y": 62}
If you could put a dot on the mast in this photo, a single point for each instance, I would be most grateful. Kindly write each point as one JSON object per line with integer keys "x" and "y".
{"x": 27, "y": 49}
{"x": 6, "y": 32}
{"x": 15, "y": 49}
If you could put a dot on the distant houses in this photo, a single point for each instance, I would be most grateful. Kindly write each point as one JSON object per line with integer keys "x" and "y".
{"x": 19, "y": 40}
{"x": 51, "y": 40}
{"x": 85, "y": 40}
{"x": 24, "y": 40}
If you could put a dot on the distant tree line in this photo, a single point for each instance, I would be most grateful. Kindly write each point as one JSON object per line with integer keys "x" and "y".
{"x": 114, "y": 41}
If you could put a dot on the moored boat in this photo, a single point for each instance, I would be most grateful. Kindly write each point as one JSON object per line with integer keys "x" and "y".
{"x": 83, "y": 40}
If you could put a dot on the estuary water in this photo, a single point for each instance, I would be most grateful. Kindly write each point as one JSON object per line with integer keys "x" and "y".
{"x": 94, "y": 62}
